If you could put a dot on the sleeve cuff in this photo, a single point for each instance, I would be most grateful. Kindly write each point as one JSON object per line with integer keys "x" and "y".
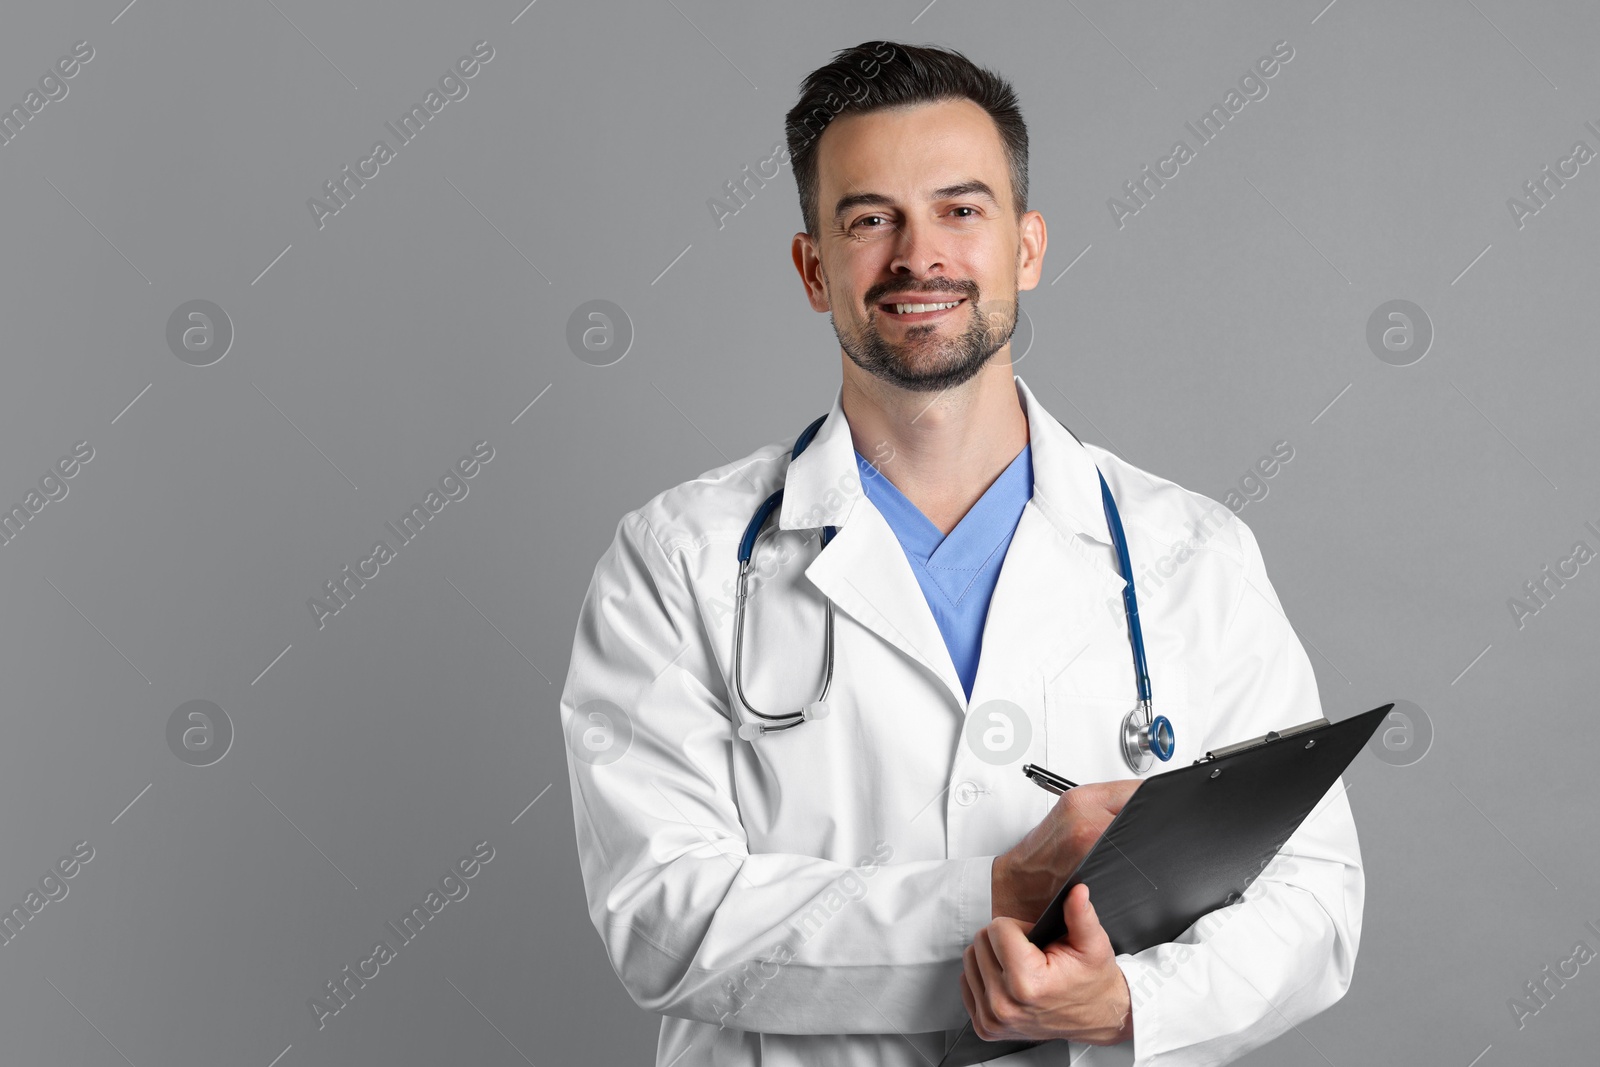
{"x": 974, "y": 899}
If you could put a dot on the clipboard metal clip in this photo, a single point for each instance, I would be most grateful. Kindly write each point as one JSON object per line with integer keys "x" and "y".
{"x": 1269, "y": 736}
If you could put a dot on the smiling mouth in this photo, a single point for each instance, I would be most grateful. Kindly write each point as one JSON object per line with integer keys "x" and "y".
{"x": 919, "y": 311}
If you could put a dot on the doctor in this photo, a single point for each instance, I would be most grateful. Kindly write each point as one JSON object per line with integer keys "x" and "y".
{"x": 848, "y": 888}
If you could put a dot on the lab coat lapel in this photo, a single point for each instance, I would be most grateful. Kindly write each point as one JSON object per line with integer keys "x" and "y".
{"x": 1052, "y": 597}
{"x": 864, "y": 570}
{"x": 1058, "y": 585}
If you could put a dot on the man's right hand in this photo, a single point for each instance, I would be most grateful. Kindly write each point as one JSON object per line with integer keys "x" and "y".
{"x": 1024, "y": 879}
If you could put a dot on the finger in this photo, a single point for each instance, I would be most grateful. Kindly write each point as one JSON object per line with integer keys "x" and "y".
{"x": 1021, "y": 963}
{"x": 1012, "y": 949}
{"x": 1085, "y": 935}
{"x": 983, "y": 1021}
{"x": 994, "y": 975}
{"x": 970, "y": 1000}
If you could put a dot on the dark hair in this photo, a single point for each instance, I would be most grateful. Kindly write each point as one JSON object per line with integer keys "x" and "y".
{"x": 876, "y": 75}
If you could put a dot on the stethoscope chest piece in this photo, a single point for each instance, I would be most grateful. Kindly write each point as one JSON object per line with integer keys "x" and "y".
{"x": 1146, "y": 739}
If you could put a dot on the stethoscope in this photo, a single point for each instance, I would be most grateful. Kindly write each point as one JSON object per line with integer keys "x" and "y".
{"x": 1145, "y": 736}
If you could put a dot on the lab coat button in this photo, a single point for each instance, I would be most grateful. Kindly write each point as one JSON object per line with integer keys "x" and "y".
{"x": 966, "y": 793}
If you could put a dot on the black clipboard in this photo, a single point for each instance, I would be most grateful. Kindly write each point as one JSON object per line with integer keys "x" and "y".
{"x": 1192, "y": 839}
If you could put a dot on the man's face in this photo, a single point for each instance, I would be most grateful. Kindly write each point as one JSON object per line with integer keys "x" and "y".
{"x": 915, "y": 208}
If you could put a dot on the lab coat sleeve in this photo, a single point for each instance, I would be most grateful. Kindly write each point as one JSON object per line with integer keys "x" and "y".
{"x": 1246, "y": 973}
{"x": 694, "y": 924}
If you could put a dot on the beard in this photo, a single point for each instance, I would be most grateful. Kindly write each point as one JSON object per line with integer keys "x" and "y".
{"x": 926, "y": 361}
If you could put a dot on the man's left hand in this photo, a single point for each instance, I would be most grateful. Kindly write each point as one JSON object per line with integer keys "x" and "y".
{"x": 1071, "y": 989}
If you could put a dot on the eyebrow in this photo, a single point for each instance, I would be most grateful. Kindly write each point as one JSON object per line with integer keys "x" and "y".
{"x": 972, "y": 187}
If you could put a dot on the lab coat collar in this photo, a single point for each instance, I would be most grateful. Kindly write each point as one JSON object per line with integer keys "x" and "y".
{"x": 1053, "y": 585}
{"x": 823, "y": 486}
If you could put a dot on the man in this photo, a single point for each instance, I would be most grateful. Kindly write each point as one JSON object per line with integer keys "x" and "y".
{"x": 850, "y": 888}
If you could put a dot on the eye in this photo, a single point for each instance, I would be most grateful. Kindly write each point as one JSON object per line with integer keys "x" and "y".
{"x": 965, "y": 207}
{"x": 863, "y": 220}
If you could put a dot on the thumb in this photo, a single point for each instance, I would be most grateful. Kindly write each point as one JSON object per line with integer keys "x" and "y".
{"x": 1121, "y": 792}
{"x": 1083, "y": 923}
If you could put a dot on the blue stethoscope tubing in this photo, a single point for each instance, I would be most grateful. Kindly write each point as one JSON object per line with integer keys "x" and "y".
{"x": 1144, "y": 734}
{"x": 747, "y": 544}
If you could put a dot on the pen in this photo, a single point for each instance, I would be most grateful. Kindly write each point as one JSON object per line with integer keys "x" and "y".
{"x": 1047, "y": 780}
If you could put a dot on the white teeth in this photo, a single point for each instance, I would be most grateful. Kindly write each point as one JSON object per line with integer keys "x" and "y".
{"x": 914, "y": 309}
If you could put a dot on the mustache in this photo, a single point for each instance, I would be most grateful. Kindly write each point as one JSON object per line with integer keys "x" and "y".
{"x": 958, "y": 289}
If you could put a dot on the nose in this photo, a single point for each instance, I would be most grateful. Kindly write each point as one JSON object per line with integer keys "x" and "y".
{"x": 916, "y": 248}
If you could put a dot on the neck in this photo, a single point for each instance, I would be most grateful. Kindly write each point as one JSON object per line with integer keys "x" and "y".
{"x": 942, "y": 450}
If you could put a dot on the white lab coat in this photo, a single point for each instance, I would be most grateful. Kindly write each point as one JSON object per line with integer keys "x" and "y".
{"x": 806, "y": 898}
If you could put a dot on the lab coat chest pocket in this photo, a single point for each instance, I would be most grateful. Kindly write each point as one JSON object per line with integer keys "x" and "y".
{"x": 1086, "y": 703}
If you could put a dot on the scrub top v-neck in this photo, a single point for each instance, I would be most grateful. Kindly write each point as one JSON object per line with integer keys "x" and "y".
{"x": 959, "y": 570}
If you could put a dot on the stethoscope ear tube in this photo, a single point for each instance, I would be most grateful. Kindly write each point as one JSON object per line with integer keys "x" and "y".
{"x": 817, "y": 708}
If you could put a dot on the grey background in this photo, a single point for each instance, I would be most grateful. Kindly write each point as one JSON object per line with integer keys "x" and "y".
{"x": 428, "y": 314}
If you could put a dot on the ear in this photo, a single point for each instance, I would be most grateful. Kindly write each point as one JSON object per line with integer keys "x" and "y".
{"x": 1030, "y": 251}
{"x": 808, "y": 261}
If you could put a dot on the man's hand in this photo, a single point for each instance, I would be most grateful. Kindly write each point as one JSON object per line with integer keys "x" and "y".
{"x": 1071, "y": 989}
{"x": 1024, "y": 879}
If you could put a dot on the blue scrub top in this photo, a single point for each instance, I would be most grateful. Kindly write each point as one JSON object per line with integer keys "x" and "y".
{"x": 957, "y": 572}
